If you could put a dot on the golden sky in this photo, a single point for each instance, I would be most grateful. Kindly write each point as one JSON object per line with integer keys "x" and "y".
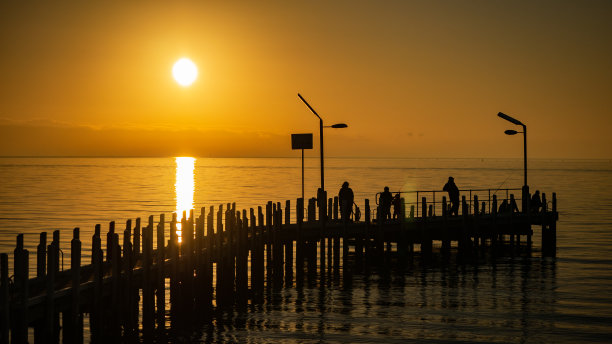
{"x": 410, "y": 78}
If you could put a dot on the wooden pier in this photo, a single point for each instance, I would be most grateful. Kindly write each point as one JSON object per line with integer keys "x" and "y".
{"x": 226, "y": 258}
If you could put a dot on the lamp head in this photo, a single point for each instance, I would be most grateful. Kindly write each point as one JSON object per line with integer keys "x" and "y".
{"x": 509, "y": 119}
{"x": 339, "y": 125}
{"x": 511, "y": 132}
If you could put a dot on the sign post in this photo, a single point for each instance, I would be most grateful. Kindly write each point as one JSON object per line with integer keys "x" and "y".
{"x": 301, "y": 141}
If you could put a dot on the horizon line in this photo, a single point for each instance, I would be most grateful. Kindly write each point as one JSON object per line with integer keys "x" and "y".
{"x": 276, "y": 157}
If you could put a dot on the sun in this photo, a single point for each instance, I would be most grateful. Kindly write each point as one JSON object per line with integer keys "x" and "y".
{"x": 184, "y": 71}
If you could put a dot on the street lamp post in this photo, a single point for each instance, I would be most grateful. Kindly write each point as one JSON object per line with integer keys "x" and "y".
{"x": 339, "y": 125}
{"x": 525, "y": 189}
{"x": 514, "y": 132}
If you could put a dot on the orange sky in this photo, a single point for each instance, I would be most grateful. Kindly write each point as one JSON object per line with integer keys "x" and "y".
{"x": 410, "y": 78}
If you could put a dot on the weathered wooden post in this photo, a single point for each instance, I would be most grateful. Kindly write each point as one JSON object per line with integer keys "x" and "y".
{"x": 278, "y": 250}
{"x": 96, "y": 262}
{"x": 512, "y": 203}
{"x": 426, "y": 240}
{"x": 254, "y": 255}
{"x": 495, "y": 236}
{"x": 299, "y": 250}
{"x": 288, "y": 239}
{"x": 368, "y": 223}
{"x": 475, "y": 228}
{"x": 109, "y": 241}
{"x": 465, "y": 235}
{"x": 72, "y": 319}
{"x": 199, "y": 257}
{"x": 129, "y": 325}
{"x": 242, "y": 269}
{"x": 322, "y": 230}
{"x": 41, "y": 255}
{"x": 41, "y": 270}
{"x": 136, "y": 244}
{"x": 74, "y": 325}
{"x": 19, "y": 333}
{"x": 268, "y": 241}
{"x": 207, "y": 270}
{"x": 345, "y": 241}
{"x": 4, "y": 299}
{"x": 228, "y": 264}
{"x": 549, "y": 226}
{"x": 336, "y": 207}
{"x": 161, "y": 274}
{"x": 446, "y": 243}
{"x": 174, "y": 252}
{"x": 148, "y": 297}
{"x": 51, "y": 318}
{"x": 553, "y": 222}
{"x": 311, "y": 244}
{"x": 336, "y": 238}
{"x": 219, "y": 252}
{"x": 260, "y": 251}
{"x": 330, "y": 218}
{"x": 187, "y": 251}
{"x": 115, "y": 306}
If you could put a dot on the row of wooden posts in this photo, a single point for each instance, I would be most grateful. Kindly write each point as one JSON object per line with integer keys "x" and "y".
{"x": 208, "y": 265}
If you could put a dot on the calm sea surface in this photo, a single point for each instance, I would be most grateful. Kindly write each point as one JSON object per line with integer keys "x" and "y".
{"x": 521, "y": 299}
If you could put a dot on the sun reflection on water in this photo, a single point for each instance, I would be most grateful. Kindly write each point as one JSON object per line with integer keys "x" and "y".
{"x": 184, "y": 188}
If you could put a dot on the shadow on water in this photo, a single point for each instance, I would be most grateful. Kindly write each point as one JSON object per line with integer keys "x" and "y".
{"x": 501, "y": 298}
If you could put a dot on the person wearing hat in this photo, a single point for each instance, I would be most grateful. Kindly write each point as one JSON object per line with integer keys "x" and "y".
{"x": 346, "y": 199}
{"x": 453, "y": 195}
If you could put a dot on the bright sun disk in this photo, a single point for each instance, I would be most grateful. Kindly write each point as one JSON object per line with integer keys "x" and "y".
{"x": 184, "y": 71}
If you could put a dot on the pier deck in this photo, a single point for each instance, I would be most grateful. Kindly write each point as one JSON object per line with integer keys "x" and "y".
{"x": 227, "y": 258}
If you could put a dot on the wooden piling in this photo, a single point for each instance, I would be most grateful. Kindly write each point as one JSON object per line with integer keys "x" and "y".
{"x": 299, "y": 249}
{"x": 148, "y": 297}
{"x": 160, "y": 279}
{"x": 268, "y": 241}
{"x": 96, "y": 262}
{"x": 51, "y": 326}
{"x": 4, "y": 299}
{"x": 242, "y": 272}
{"x": 426, "y": 240}
{"x": 446, "y": 244}
{"x": 278, "y": 250}
{"x": 322, "y": 229}
{"x": 368, "y": 234}
{"x": 109, "y": 241}
{"x": 288, "y": 242}
{"x": 19, "y": 332}
{"x": 129, "y": 319}
{"x": 115, "y": 301}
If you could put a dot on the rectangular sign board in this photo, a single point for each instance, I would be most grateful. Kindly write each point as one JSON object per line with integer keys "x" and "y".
{"x": 301, "y": 141}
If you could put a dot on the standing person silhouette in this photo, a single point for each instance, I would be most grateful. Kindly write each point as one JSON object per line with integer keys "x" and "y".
{"x": 385, "y": 204}
{"x": 397, "y": 205}
{"x": 453, "y": 195}
{"x": 346, "y": 199}
{"x": 536, "y": 202}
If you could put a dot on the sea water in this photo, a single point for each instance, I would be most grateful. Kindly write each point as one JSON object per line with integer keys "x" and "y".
{"x": 504, "y": 299}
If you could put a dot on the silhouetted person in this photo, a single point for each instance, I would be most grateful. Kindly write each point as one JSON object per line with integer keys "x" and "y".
{"x": 536, "y": 202}
{"x": 453, "y": 195}
{"x": 503, "y": 208}
{"x": 385, "y": 204}
{"x": 397, "y": 205}
{"x": 512, "y": 205}
{"x": 346, "y": 199}
{"x": 357, "y": 213}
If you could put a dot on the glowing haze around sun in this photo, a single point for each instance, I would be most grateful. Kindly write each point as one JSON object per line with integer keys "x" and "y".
{"x": 184, "y": 72}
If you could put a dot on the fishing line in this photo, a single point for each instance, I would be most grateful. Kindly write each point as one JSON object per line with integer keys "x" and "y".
{"x": 504, "y": 182}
